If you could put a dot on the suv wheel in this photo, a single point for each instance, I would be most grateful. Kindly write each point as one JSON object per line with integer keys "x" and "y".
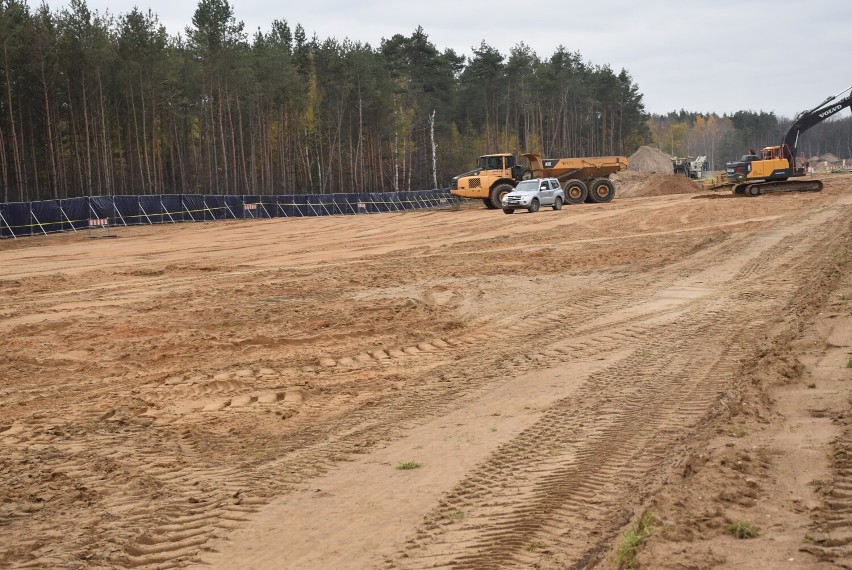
{"x": 557, "y": 204}
{"x": 534, "y": 206}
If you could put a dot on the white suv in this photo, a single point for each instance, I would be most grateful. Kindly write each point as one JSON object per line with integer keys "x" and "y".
{"x": 533, "y": 194}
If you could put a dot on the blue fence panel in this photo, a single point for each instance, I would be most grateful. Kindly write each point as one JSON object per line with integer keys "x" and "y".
{"x": 234, "y": 207}
{"x": 284, "y": 206}
{"x": 346, "y": 204}
{"x": 46, "y": 216}
{"x": 250, "y": 207}
{"x": 365, "y": 204}
{"x": 172, "y": 207}
{"x": 315, "y": 205}
{"x": 127, "y": 210}
{"x": 151, "y": 209}
{"x": 214, "y": 207}
{"x": 77, "y": 211}
{"x": 192, "y": 207}
{"x": 267, "y": 208}
{"x": 17, "y": 216}
{"x": 411, "y": 200}
{"x": 5, "y": 214}
{"x": 101, "y": 207}
{"x": 303, "y": 205}
{"x": 397, "y": 201}
{"x": 329, "y": 207}
{"x": 402, "y": 200}
{"x": 388, "y": 201}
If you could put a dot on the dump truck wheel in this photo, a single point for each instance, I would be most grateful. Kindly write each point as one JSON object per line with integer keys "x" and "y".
{"x": 497, "y": 194}
{"x": 534, "y": 206}
{"x": 487, "y": 202}
{"x": 602, "y": 190}
{"x": 508, "y": 210}
{"x": 557, "y": 204}
{"x": 576, "y": 192}
{"x": 527, "y": 174}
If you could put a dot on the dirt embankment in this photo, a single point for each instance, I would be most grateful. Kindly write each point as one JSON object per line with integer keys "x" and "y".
{"x": 434, "y": 389}
{"x": 643, "y": 184}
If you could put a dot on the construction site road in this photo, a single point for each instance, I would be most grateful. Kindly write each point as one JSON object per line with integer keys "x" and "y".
{"x": 609, "y": 384}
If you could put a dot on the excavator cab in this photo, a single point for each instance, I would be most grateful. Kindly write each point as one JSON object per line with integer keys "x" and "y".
{"x": 770, "y": 153}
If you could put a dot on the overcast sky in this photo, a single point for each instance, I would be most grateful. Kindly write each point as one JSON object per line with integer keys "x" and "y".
{"x": 720, "y": 56}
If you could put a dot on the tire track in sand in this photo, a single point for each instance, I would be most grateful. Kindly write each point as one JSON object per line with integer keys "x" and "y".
{"x": 585, "y": 464}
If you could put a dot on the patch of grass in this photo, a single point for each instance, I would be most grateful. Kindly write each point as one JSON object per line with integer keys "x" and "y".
{"x": 742, "y": 529}
{"x": 409, "y": 465}
{"x": 626, "y": 555}
{"x": 466, "y": 437}
{"x": 456, "y": 516}
{"x": 849, "y": 363}
{"x": 493, "y": 428}
{"x": 739, "y": 431}
{"x": 535, "y": 545}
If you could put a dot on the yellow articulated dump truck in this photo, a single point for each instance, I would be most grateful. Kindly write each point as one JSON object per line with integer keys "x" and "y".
{"x": 583, "y": 179}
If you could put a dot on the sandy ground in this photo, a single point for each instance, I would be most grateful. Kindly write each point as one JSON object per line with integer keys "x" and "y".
{"x": 244, "y": 394}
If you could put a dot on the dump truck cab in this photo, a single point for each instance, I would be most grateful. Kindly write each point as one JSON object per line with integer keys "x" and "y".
{"x": 502, "y": 165}
{"x": 495, "y": 176}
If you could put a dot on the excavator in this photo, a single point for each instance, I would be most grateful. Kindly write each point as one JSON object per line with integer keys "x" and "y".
{"x": 771, "y": 169}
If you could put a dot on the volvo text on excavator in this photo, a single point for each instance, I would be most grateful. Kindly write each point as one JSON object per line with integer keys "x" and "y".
{"x": 771, "y": 169}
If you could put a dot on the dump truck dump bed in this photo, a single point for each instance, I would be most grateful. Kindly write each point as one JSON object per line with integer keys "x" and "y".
{"x": 581, "y": 168}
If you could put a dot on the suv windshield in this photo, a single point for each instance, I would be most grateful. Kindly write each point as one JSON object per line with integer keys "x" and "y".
{"x": 528, "y": 186}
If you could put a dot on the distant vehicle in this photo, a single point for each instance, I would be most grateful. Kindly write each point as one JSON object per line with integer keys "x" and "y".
{"x": 693, "y": 167}
{"x": 532, "y": 194}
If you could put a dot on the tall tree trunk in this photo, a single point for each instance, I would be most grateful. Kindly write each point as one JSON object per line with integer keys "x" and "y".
{"x": 54, "y": 178}
{"x": 16, "y": 153}
{"x": 87, "y": 133}
{"x": 105, "y": 142}
{"x": 75, "y": 146}
{"x": 224, "y": 139}
{"x": 4, "y": 167}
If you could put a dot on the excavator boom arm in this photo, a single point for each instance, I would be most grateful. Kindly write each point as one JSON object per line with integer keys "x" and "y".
{"x": 808, "y": 119}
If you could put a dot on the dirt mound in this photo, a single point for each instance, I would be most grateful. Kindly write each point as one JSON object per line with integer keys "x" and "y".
{"x": 637, "y": 184}
{"x": 649, "y": 159}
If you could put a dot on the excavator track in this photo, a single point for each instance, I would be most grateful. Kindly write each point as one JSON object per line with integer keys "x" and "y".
{"x": 758, "y": 188}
